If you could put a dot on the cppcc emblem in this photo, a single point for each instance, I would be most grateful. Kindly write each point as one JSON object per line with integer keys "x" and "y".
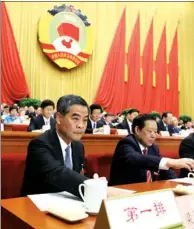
{"x": 65, "y": 36}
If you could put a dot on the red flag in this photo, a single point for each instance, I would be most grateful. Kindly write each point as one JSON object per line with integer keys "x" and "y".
{"x": 110, "y": 91}
{"x": 133, "y": 87}
{"x": 67, "y": 29}
{"x": 161, "y": 73}
{"x": 173, "y": 74}
{"x": 147, "y": 66}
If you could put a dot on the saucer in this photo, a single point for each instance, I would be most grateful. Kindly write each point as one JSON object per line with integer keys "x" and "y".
{"x": 91, "y": 213}
{"x": 183, "y": 190}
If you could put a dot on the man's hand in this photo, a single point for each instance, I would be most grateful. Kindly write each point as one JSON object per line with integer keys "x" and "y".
{"x": 185, "y": 163}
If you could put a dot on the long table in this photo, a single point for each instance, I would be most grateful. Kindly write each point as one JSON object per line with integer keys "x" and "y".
{"x": 17, "y": 141}
{"x": 21, "y": 213}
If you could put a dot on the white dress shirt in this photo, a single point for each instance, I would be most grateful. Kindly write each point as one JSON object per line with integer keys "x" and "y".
{"x": 46, "y": 120}
{"x": 63, "y": 147}
{"x": 163, "y": 160}
{"x": 130, "y": 126}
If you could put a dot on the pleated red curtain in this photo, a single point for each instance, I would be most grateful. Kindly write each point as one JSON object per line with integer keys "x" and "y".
{"x": 14, "y": 85}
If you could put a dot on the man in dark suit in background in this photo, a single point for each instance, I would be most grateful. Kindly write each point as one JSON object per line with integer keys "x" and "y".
{"x": 45, "y": 118}
{"x": 137, "y": 158}
{"x": 56, "y": 158}
{"x": 166, "y": 123}
{"x": 107, "y": 120}
{"x": 95, "y": 114}
{"x": 186, "y": 149}
{"x": 127, "y": 123}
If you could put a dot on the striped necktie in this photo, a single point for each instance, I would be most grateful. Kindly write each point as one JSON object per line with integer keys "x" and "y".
{"x": 148, "y": 172}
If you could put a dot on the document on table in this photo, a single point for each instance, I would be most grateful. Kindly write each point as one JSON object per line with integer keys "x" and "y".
{"x": 44, "y": 201}
{"x": 67, "y": 200}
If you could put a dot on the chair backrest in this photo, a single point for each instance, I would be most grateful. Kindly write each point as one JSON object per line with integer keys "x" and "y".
{"x": 99, "y": 164}
{"x": 19, "y": 127}
{"x": 12, "y": 171}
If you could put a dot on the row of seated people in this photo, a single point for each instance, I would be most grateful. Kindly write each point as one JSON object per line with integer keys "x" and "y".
{"x": 44, "y": 118}
{"x": 55, "y": 159}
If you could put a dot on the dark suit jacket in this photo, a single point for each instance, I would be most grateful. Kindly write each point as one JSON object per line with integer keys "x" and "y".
{"x": 89, "y": 129}
{"x": 124, "y": 125}
{"x": 37, "y": 123}
{"x": 161, "y": 127}
{"x": 45, "y": 171}
{"x": 129, "y": 165}
{"x": 186, "y": 149}
{"x": 102, "y": 123}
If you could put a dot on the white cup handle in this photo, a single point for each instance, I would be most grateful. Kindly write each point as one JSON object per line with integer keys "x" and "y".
{"x": 190, "y": 175}
{"x": 80, "y": 191}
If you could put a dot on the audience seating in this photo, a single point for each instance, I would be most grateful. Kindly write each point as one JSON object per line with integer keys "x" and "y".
{"x": 12, "y": 171}
{"x": 99, "y": 164}
{"x": 13, "y": 165}
{"x": 19, "y": 127}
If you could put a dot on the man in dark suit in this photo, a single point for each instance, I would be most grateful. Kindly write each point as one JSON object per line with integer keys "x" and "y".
{"x": 107, "y": 120}
{"x": 186, "y": 149}
{"x": 127, "y": 123}
{"x": 131, "y": 164}
{"x": 95, "y": 114}
{"x": 56, "y": 158}
{"x": 45, "y": 118}
{"x": 166, "y": 123}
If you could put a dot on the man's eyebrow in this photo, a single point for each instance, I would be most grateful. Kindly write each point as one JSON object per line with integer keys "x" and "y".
{"x": 78, "y": 115}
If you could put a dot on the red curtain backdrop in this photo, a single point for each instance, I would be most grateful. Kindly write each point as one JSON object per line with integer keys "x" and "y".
{"x": 14, "y": 85}
{"x": 111, "y": 92}
{"x": 147, "y": 66}
{"x": 133, "y": 90}
{"x": 173, "y": 94}
{"x": 161, "y": 73}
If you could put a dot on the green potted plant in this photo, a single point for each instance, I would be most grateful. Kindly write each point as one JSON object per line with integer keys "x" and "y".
{"x": 29, "y": 102}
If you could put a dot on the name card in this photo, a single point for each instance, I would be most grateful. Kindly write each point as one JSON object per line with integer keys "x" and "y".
{"x": 186, "y": 208}
{"x": 122, "y": 131}
{"x": 164, "y": 133}
{"x": 151, "y": 210}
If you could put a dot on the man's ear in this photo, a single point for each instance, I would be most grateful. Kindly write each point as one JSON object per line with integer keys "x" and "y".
{"x": 136, "y": 130}
{"x": 58, "y": 118}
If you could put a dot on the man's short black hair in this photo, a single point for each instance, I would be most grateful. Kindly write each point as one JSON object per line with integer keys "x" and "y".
{"x": 108, "y": 115}
{"x": 165, "y": 114}
{"x": 6, "y": 106}
{"x": 46, "y": 103}
{"x": 95, "y": 107}
{"x": 13, "y": 107}
{"x": 36, "y": 107}
{"x": 140, "y": 121}
{"x": 130, "y": 111}
{"x": 65, "y": 102}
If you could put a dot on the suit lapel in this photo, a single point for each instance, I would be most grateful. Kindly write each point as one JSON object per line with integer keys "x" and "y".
{"x": 74, "y": 157}
{"x": 56, "y": 145}
{"x": 52, "y": 122}
{"x": 127, "y": 126}
{"x": 40, "y": 122}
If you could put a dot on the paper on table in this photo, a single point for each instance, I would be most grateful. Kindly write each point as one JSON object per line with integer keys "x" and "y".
{"x": 44, "y": 201}
{"x": 184, "y": 180}
{"x": 116, "y": 192}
